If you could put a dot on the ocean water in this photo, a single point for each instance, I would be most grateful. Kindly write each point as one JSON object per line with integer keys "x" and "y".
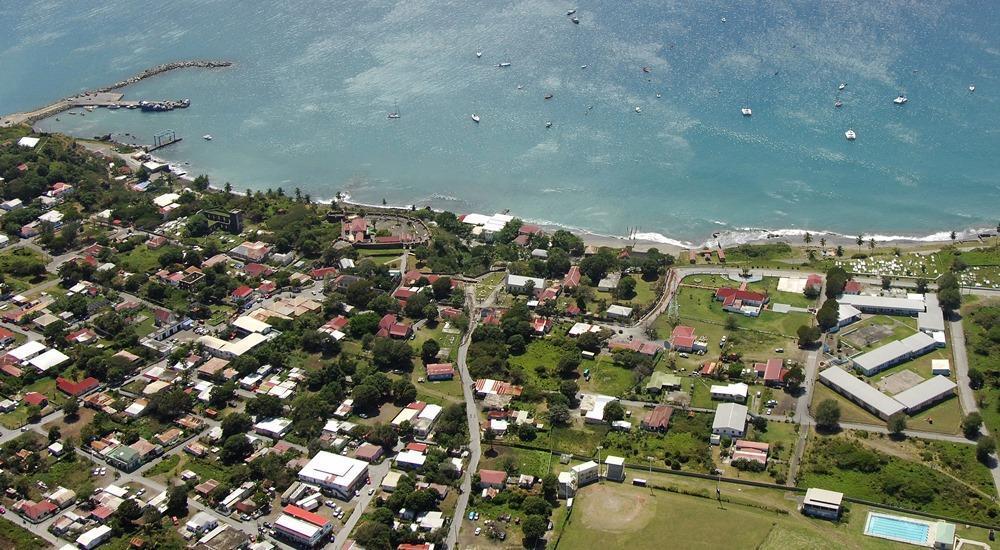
{"x": 305, "y": 105}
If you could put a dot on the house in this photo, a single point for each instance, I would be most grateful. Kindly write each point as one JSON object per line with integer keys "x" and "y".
{"x": 894, "y": 353}
{"x": 637, "y": 346}
{"x": 35, "y": 511}
{"x": 156, "y": 241}
{"x": 496, "y": 479}
{"x": 124, "y": 458}
{"x": 275, "y": 428}
{"x": 847, "y": 314}
{"x": 440, "y": 371}
{"x": 750, "y": 450}
{"x": 773, "y": 372}
{"x": 658, "y": 419}
{"x": 369, "y": 453}
{"x": 592, "y": 406}
{"x": 517, "y": 284}
{"x": 202, "y": 522}
{"x": 241, "y": 293}
{"x": 925, "y": 394}
{"x": 822, "y": 503}
{"x": 730, "y": 420}
{"x": 6, "y": 337}
{"x": 740, "y": 300}
{"x": 94, "y": 537}
{"x": 853, "y": 288}
{"x": 255, "y": 270}
{"x": 814, "y": 282}
{"x": 76, "y": 389}
{"x": 609, "y": 282}
{"x": 619, "y": 312}
{"x": 731, "y": 392}
{"x": 567, "y": 485}
{"x": 82, "y": 336}
{"x": 572, "y": 278}
{"x": 390, "y": 327}
{"x": 660, "y": 380}
{"x": 858, "y": 391}
{"x": 35, "y": 399}
{"x": 410, "y": 460}
{"x": 615, "y": 468}
{"x": 683, "y": 339}
{"x": 321, "y": 273}
{"x": 168, "y": 437}
{"x": 940, "y": 367}
{"x": 251, "y": 251}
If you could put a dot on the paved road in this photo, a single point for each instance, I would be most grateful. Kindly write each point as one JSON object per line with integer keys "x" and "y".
{"x": 472, "y": 417}
{"x": 376, "y": 473}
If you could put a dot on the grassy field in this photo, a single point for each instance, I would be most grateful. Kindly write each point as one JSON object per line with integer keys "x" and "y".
{"x": 19, "y": 283}
{"x": 606, "y": 377}
{"x": 699, "y": 304}
{"x": 864, "y": 470}
{"x": 15, "y": 536}
{"x": 141, "y": 259}
{"x": 535, "y": 463}
{"x": 539, "y": 363}
{"x": 622, "y": 516}
{"x": 944, "y": 417}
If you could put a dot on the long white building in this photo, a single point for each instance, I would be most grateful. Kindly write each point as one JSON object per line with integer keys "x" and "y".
{"x": 337, "y": 474}
{"x": 894, "y": 353}
{"x": 869, "y": 398}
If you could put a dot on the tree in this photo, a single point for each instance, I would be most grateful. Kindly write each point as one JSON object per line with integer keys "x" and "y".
{"x": 489, "y": 436}
{"x": 71, "y": 408}
{"x": 828, "y": 314}
{"x": 568, "y": 364}
{"x": 550, "y": 487}
{"x": 197, "y": 226}
{"x": 860, "y": 240}
{"x": 807, "y": 335}
{"x": 533, "y": 527}
{"x": 569, "y": 388}
{"x": 265, "y": 406}
{"x": 794, "y": 377}
{"x": 840, "y": 251}
{"x": 807, "y": 238}
{"x": 516, "y": 344}
{"x": 429, "y": 350}
{"x": 177, "y": 500}
{"x": 731, "y": 323}
{"x": 896, "y": 423}
{"x": 403, "y": 391}
{"x": 383, "y": 435}
{"x": 985, "y": 447}
{"x": 366, "y": 396}
{"x": 236, "y": 448}
{"x": 558, "y": 414}
{"x": 359, "y": 293}
{"x": 536, "y": 506}
{"x": 922, "y": 286}
{"x": 949, "y": 298}
{"x": 970, "y": 424}
{"x": 374, "y": 535}
{"x": 441, "y": 288}
{"x": 236, "y": 423}
{"x": 388, "y": 354}
{"x": 976, "y": 378}
{"x": 613, "y": 412}
{"x": 828, "y": 414}
{"x": 363, "y": 323}
{"x": 625, "y": 289}
{"x": 953, "y": 236}
{"x": 886, "y": 283}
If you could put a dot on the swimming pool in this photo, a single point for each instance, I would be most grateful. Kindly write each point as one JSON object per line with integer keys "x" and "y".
{"x": 897, "y": 528}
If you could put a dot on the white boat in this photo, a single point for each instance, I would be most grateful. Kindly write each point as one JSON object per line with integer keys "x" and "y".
{"x": 972, "y": 87}
{"x": 394, "y": 114}
{"x": 571, "y": 12}
{"x": 504, "y": 65}
{"x": 575, "y": 21}
{"x": 850, "y": 135}
{"x": 207, "y": 137}
{"x": 520, "y": 86}
{"x": 842, "y": 86}
{"x": 658, "y": 96}
{"x": 638, "y": 110}
{"x": 475, "y": 118}
{"x": 723, "y": 19}
{"x": 479, "y": 54}
{"x": 838, "y": 104}
{"x": 900, "y": 99}
{"x": 548, "y": 124}
{"x": 583, "y": 66}
{"x": 746, "y": 111}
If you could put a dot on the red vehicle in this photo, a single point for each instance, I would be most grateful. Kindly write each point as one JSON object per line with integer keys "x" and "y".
{"x": 174, "y": 519}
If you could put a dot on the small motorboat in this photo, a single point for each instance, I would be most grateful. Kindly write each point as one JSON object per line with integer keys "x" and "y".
{"x": 207, "y": 137}
{"x": 575, "y": 20}
{"x": 842, "y": 86}
{"x": 972, "y": 88}
{"x": 646, "y": 69}
{"x": 504, "y": 65}
{"x": 658, "y": 96}
{"x": 548, "y": 96}
{"x": 479, "y": 54}
{"x": 475, "y": 118}
{"x": 850, "y": 135}
{"x": 723, "y": 19}
{"x": 571, "y": 12}
{"x": 638, "y": 109}
{"x": 838, "y": 104}
{"x": 583, "y": 66}
{"x": 114, "y": 107}
{"x": 520, "y": 86}
{"x": 548, "y": 124}
{"x": 900, "y": 99}
{"x": 746, "y": 111}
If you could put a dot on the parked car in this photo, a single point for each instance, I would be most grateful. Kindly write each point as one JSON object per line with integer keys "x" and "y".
{"x": 371, "y": 492}
{"x": 478, "y": 530}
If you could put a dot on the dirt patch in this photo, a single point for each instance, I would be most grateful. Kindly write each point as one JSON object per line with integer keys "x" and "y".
{"x": 899, "y": 382}
{"x": 866, "y": 336}
{"x": 72, "y": 429}
{"x": 608, "y": 508}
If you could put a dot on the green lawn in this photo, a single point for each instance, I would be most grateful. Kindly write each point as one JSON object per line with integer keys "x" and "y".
{"x": 13, "y": 535}
{"x": 489, "y": 282}
{"x": 611, "y": 515}
{"x": 606, "y": 377}
{"x": 699, "y": 304}
{"x": 535, "y": 463}
{"x": 165, "y": 466}
{"x": 539, "y": 363}
{"x": 19, "y": 255}
{"x": 140, "y": 259}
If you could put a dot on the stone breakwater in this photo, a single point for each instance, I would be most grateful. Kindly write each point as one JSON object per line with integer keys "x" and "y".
{"x": 104, "y": 97}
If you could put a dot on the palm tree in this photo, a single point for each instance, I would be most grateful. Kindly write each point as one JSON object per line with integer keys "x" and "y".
{"x": 808, "y": 238}
{"x": 953, "y": 236}
{"x": 871, "y": 243}
{"x": 860, "y": 240}
{"x": 822, "y": 243}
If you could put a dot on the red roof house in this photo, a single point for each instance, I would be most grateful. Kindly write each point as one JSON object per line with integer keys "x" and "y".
{"x": 257, "y": 270}
{"x": 73, "y": 388}
{"x": 492, "y": 478}
{"x": 389, "y": 326}
{"x": 659, "y": 418}
{"x": 323, "y": 272}
{"x": 440, "y": 371}
{"x": 572, "y": 278}
{"x": 242, "y": 292}
{"x": 35, "y": 399}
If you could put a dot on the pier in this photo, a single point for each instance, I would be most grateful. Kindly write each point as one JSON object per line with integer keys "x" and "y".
{"x": 107, "y": 96}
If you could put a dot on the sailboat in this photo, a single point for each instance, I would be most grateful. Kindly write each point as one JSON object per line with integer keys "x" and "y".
{"x": 479, "y": 54}
{"x": 746, "y": 111}
{"x": 972, "y": 88}
{"x": 842, "y": 86}
{"x": 900, "y": 99}
{"x": 395, "y": 112}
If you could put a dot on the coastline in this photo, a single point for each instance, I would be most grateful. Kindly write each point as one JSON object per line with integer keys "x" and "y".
{"x": 647, "y": 240}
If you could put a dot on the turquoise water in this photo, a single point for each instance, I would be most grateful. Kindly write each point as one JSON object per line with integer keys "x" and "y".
{"x": 896, "y": 528}
{"x": 305, "y": 105}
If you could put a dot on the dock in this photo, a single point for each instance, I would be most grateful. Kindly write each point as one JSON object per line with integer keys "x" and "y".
{"x": 106, "y": 96}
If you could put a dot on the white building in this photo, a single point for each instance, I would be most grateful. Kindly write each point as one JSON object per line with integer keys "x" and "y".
{"x": 249, "y": 325}
{"x": 29, "y": 142}
{"x": 585, "y": 473}
{"x": 410, "y": 459}
{"x": 619, "y": 312}
{"x": 883, "y": 304}
{"x": 926, "y": 393}
{"x": 275, "y": 427}
{"x": 731, "y": 392}
{"x": 894, "y": 353}
{"x": 940, "y": 367}
{"x": 94, "y": 537}
{"x": 615, "y": 468}
{"x": 516, "y": 284}
{"x": 302, "y": 526}
{"x": 27, "y": 351}
{"x": 822, "y": 503}
{"x": 858, "y": 391}
{"x": 567, "y": 485}
{"x": 592, "y": 406}
{"x": 337, "y": 474}
{"x": 48, "y": 360}
{"x": 931, "y": 320}
{"x": 202, "y": 522}
{"x": 730, "y": 419}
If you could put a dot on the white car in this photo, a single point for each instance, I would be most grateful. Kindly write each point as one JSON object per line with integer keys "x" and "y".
{"x": 371, "y": 492}
{"x": 478, "y": 530}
